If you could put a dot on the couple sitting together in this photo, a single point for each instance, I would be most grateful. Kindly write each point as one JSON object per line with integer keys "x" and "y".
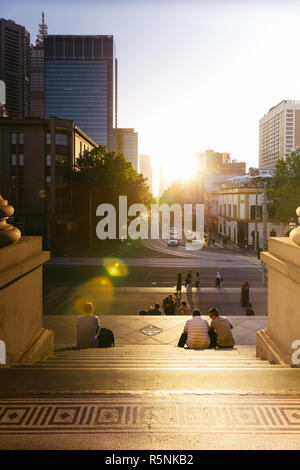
{"x": 198, "y": 334}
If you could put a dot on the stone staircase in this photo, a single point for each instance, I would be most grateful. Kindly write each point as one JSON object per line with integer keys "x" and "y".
{"x": 140, "y": 367}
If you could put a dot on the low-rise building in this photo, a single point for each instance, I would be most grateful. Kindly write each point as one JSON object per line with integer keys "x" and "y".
{"x": 236, "y": 212}
{"x": 37, "y": 156}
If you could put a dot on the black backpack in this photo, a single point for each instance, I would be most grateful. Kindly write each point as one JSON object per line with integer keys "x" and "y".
{"x": 106, "y": 338}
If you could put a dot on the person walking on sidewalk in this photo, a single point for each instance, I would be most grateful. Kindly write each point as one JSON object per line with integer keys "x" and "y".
{"x": 178, "y": 285}
{"x": 219, "y": 280}
{"x": 245, "y": 294}
{"x": 188, "y": 286}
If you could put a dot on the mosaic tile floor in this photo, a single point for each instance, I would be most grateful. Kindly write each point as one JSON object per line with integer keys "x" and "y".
{"x": 195, "y": 414}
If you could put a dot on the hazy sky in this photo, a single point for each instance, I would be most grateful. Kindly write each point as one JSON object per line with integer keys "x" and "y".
{"x": 193, "y": 74}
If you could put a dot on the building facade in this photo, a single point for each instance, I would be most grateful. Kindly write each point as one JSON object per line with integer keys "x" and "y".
{"x": 80, "y": 83}
{"x": 37, "y": 73}
{"x": 15, "y": 67}
{"x": 236, "y": 213}
{"x": 279, "y": 132}
{"x": 37, "y": 156}
{"x": 146, "y": 169}
{"x": 126, "y": 141}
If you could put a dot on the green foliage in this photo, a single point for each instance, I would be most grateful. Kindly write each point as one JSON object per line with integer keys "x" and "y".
{"x": 109, "y": 175}
{"x": 285, "y": 187}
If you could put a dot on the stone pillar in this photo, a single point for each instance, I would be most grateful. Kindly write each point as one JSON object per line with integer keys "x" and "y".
{"x": 21, "y": 302}
{"x": 283, "y": 260}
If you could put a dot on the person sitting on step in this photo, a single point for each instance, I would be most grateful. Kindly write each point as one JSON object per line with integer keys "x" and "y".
{"x": 220, "y": 330}
{"x": 88, "y": 327}
{"x": 195, "y": 332}
{"x": 185, "y": 309}
{"x": 155, "y": 310}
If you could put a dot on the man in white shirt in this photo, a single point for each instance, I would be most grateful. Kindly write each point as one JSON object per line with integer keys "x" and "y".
{"x": 195, "y": 332}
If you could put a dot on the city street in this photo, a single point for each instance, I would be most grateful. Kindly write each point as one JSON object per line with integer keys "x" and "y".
{"x": 126, "y": 286}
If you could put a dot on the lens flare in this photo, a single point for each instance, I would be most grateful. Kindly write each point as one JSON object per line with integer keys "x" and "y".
{"x": 98, "y": 290}
{"x": 115, "y": 267}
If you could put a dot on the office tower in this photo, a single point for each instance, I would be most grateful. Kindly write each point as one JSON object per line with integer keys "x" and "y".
{"x": 79, "y": 83}
{"x": 125, "y": 141}
{"x": 146, "y": 169}
{"x": 15, "y": 67}
{"x": 37, "y": 72}
{"x": 279, "y": 132}
{"x": 2, "y": 99}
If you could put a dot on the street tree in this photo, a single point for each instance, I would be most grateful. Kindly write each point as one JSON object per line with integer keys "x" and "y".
{"x": 284, "y": 190}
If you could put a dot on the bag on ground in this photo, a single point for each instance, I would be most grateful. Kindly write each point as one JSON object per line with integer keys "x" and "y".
{"x": 106, "y": 338}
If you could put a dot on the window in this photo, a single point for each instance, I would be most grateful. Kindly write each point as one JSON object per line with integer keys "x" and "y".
{"x": 21, "y": 160}
{"x": 14, "y": 160}
{"x": 234, "y": 211}
{"x": 48, "y": 179}
{"x": 48, "y": 138}
{"x": 252, "y": 212}
{"x": 48, "y": 160}
{"x": 61, "y": 139}
{"x": 13, "y": 138}
{"x": 21, "y": 139}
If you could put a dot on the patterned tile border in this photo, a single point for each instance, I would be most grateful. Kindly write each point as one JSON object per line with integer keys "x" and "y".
{"x": 123, "y": 416}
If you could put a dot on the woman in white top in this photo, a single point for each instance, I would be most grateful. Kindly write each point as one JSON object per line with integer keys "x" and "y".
{"x": 88, "y": 326}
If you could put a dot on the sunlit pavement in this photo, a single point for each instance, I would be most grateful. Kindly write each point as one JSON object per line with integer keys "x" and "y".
{"x": 157, "y": 420}
{"x": 130, "y": 301}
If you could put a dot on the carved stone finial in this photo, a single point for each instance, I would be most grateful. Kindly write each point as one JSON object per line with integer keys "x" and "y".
{"x": 295, "y": 233}
{"x": 8, "y": 233}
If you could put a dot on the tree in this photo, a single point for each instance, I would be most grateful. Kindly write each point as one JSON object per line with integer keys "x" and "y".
{"x": 101, "y": 177}
{"x": 284, "y": 190}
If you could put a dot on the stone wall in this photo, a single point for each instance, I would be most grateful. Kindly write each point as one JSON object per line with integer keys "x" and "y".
{"x": 21, "y": 305}
{"x": 283, "y": 260}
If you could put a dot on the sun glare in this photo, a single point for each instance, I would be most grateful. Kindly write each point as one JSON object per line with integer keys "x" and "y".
{"x": 182, "y": 168}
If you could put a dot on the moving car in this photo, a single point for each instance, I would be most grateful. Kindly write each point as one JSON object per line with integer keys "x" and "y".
{"x": 172, "y": 242}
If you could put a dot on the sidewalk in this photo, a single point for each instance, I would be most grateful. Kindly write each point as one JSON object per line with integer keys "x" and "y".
{"x": 169, "y": 328}
{"x": 131, "y": 300}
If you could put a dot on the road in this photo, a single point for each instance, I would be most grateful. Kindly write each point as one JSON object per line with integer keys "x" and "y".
{"x": 66, "y": 279}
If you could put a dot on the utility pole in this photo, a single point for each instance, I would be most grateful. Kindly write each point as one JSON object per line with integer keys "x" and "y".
{"x": 256, "y": 232}
{"x": 265, "y": 239}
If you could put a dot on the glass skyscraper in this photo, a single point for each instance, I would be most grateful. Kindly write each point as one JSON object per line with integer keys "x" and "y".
{"x": 79, "y": 83}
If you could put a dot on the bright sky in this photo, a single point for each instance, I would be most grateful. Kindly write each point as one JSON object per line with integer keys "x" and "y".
{"x": 193, "y": 74}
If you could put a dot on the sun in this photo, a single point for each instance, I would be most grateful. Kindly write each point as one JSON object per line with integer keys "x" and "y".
{"x": 182, "y": 168}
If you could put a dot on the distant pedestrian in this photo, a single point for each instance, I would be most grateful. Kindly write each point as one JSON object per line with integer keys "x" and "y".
{"x": 188, "y": 286}
{"x": 155, "y": 310}
{"x": 197, "y": 281}
{"x": 178, "y": 285}
{"x": 219, "y": 280}
{"x": 245, "y": 294}
{"x": 170, "y": 305}
{"x": 249, "y": 310}
{"x": 185, "y": 309}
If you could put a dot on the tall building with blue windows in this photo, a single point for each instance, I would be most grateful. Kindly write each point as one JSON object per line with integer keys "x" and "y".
{"x": 80, "y": 83}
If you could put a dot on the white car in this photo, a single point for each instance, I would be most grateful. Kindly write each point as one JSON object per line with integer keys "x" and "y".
{"x": 172, "y": 242}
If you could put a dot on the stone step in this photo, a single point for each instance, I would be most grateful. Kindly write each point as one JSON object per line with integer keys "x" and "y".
{"x": 238, "y": 380}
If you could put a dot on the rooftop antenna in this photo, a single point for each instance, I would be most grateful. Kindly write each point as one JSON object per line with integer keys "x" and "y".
{"x": 43, "y": 32}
